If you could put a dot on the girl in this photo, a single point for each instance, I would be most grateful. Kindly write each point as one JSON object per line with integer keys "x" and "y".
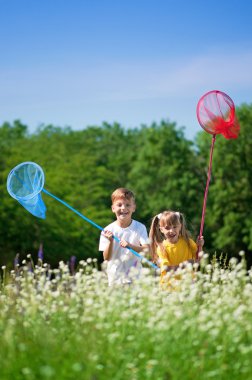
{"x": 171, "y": 243}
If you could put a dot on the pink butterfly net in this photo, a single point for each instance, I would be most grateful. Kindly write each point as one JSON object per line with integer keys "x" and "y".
{"x": 216, "y": 114}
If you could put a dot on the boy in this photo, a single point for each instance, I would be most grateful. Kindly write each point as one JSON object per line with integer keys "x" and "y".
{"x": 131, "y": 233}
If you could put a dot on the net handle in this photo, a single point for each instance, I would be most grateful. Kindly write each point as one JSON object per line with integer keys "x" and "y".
{"x": 206, "y": 191}
{"x": 98, "y": 227}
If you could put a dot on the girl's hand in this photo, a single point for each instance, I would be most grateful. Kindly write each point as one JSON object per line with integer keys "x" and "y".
{"x": 200, "y": 242}
{"x": 108, "y": 235}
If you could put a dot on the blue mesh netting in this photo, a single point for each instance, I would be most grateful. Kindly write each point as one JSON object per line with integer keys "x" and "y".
{"x": 25, "y": 183}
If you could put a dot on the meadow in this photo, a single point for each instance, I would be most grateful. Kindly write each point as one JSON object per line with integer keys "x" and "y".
{"x": 56, "y": 325}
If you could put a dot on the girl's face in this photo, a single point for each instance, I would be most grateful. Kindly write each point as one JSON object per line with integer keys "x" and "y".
{"x": 171, "y": 232}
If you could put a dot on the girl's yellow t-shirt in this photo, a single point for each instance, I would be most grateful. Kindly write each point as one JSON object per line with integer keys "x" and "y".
{"x": 176, "y": 253}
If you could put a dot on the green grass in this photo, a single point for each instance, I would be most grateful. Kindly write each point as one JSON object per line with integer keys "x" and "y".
{"x": 76, "y": 327}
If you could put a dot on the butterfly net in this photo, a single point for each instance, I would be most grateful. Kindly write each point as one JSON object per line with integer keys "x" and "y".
{"x": 216, "y": 114}
{"x": 25, "y": 183}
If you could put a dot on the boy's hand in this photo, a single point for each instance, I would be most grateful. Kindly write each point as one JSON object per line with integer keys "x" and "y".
{"x": 124, "y": 243}
{"x": 108, "y": 235}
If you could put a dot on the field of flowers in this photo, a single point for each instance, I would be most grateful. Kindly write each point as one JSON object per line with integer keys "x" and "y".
{"x": 54, "y": 325}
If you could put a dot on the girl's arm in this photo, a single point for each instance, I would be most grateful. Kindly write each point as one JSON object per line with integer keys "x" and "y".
{"x": 200, "y": 244}
{"x": 169, "y": 268}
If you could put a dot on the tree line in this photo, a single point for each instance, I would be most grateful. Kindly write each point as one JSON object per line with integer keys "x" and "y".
{"x": 163, "y": 168}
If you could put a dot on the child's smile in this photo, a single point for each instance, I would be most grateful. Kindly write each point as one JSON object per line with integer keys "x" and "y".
{"x": 123, "y": 209}
{"x": 171, "y": 232}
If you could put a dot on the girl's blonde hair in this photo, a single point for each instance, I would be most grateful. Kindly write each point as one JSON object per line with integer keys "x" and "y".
{"x": 166, "y": 218}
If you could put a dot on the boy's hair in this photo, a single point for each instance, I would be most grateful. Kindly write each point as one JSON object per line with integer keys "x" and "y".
{"x": 166, "y": 218}
{"x": 122, "y": 193}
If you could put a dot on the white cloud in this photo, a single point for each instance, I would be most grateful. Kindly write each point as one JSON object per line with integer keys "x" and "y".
{"x": 129, "y": 80}
{"x": 129, "y": 92}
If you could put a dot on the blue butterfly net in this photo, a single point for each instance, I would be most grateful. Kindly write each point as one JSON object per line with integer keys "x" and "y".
{"x": 25, "y": 183}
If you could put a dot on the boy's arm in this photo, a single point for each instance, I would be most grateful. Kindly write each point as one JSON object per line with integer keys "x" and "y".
{"x": 107, "y": 253}
{"x": 137, "y": 248}
{"x": 143, "y": 242}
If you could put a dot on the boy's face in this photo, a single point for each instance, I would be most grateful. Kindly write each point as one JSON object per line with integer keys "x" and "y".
{"x": 123, "y": 208}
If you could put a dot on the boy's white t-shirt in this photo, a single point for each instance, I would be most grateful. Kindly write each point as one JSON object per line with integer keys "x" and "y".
{"x": 123, "y": 260}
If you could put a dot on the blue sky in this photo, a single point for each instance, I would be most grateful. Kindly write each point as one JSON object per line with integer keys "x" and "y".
{"x": 81, "y": 62}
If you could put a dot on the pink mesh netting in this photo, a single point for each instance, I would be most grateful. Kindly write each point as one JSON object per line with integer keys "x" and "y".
{"x": 216, "y": 114}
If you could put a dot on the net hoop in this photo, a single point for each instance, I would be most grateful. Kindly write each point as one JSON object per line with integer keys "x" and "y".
{"x": 31, "y": 192}
{"x": 216, "y": 114}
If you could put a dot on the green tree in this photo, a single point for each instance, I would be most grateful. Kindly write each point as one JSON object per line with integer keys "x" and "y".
{"x": 157, "y": 162}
